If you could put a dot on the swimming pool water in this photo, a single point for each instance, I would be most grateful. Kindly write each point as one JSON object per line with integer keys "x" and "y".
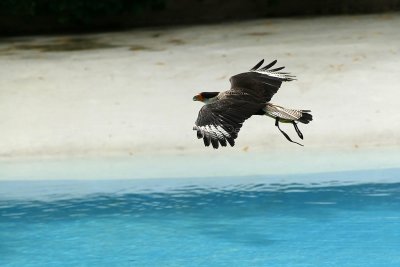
{"x": 229, "y": 224}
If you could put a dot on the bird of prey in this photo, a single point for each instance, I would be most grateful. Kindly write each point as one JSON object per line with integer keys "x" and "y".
{"x": 220, "y": 119}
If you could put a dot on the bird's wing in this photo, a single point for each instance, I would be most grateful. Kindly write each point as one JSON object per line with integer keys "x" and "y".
{"x": 261, "y": 83}
{"x": 220, "y": 122}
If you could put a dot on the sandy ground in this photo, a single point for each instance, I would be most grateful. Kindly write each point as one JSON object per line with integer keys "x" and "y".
{"x": 128, "y": 96}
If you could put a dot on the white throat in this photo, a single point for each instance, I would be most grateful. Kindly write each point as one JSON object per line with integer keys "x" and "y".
{"x": 210, "y": 100}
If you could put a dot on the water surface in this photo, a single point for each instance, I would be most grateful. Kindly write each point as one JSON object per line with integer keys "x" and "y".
{"x": 229, "y": 222}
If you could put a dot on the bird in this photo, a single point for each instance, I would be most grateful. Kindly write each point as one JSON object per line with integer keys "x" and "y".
{"x": 221, "y": 118}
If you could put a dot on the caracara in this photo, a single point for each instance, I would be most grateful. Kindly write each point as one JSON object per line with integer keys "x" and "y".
{"x": 220, "y": 119}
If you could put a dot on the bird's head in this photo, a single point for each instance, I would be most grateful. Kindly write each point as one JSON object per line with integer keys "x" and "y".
{"x": 205, "y": 97}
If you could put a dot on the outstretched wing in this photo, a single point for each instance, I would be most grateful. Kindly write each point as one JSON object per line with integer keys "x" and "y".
{"x": 220, "y": 122}
{"x": 261, "y": 83}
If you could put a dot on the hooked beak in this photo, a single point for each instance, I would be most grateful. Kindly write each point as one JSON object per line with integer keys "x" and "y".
{"x": 198, "y": 98}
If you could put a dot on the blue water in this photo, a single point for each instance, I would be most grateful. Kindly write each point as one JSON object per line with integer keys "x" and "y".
{"x": 164, "y": 223}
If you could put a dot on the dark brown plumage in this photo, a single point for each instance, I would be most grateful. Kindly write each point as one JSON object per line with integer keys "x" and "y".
{"x": 220, "y": 120}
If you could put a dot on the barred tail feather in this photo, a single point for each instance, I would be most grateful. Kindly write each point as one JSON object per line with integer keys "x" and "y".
{"x": 287, "y": 115}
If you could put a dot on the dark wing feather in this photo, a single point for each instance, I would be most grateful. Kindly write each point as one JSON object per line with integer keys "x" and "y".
{"x": 269, "y": 65}
{"x": 257, "y": 65}
{"x": 220, "y": 122}
{"x": 260, "y": 83}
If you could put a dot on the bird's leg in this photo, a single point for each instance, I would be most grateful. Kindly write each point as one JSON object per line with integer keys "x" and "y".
{"x": 285, "y": 134}
{"x": 297, "y": 130}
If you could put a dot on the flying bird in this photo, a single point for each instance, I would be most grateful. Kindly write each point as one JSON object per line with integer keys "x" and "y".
{"x": 220, "y": 119}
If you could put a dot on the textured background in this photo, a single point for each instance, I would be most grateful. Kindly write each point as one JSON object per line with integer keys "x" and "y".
{"x": 44, "y": 16}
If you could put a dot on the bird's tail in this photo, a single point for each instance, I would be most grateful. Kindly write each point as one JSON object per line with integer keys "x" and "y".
{"x": 281, "y": 114}
{"x": 288, "y": 115}
{"x": 306, "y": 117}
